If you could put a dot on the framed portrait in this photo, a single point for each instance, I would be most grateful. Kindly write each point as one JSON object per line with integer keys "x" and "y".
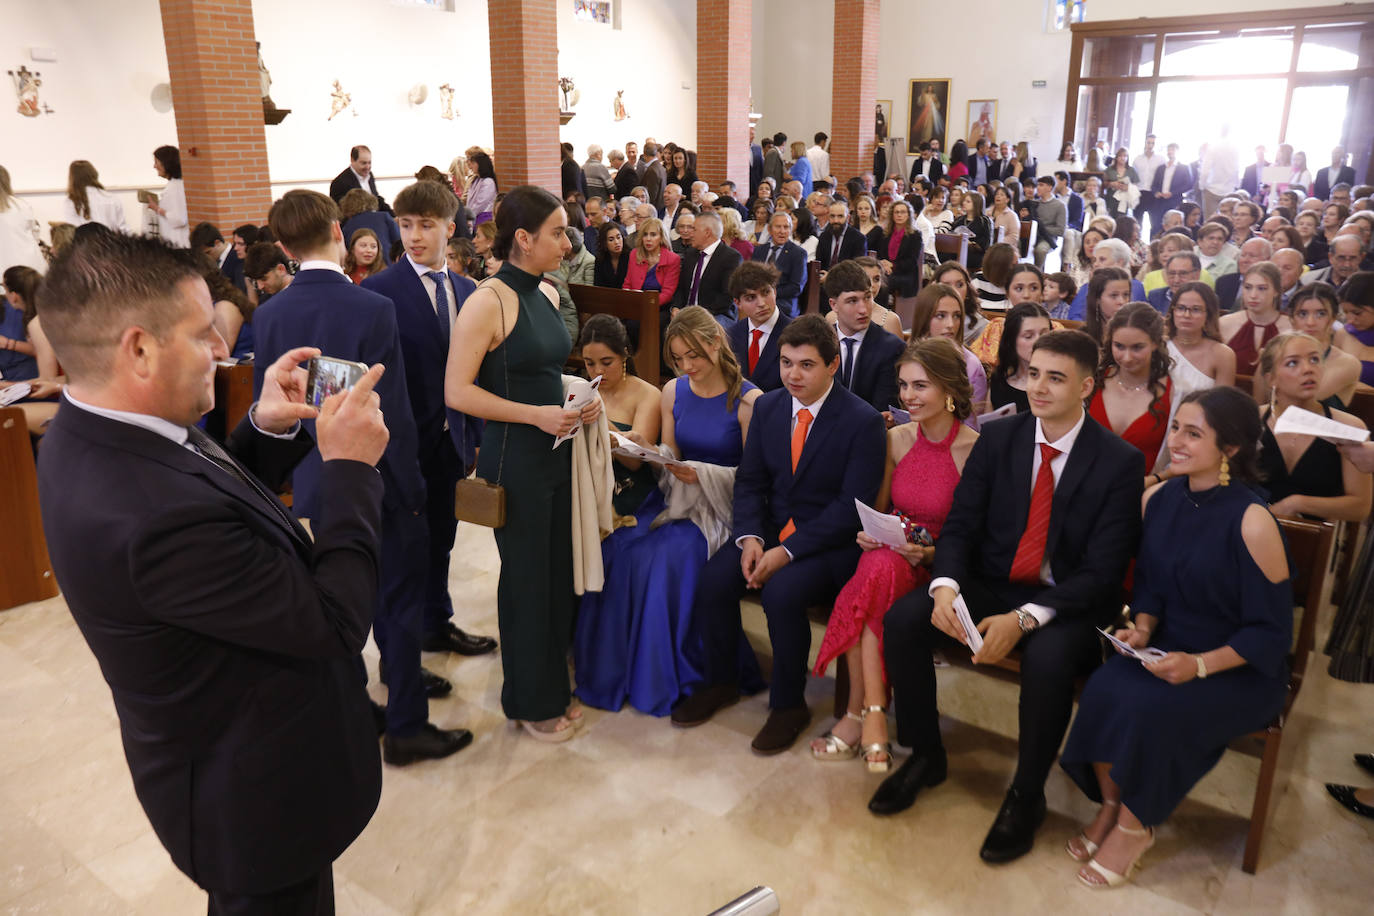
{"x": 927, "y": 113}
{"x": 982, "y": 122}
{"x": 882, "y": 120}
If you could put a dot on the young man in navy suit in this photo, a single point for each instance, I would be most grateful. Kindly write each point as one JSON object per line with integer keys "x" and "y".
{"x": 812, "y": 449}
{"x": 868, "y": 354}
{"x": 1045, "y": 519}
{"x": 754, "y": 338}
{"x": 788, "y": 257}
{"x": 323, "y": 309}
{"x": 427, "y": 296}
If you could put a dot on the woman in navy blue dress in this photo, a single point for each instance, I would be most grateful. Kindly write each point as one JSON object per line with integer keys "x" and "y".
{"x": 1212, "y": 591}
{"x": 633, "y": 641}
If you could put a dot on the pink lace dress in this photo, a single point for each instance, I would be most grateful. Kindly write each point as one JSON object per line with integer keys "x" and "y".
{"x": 922, "y": 489}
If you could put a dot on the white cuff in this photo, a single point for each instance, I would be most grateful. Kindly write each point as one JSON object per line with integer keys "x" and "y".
{"x": 739, "y": 541}
{"x": 1042, "y": 614}
{"x": 289, "y": 434}
{"x": 942, "y": 582}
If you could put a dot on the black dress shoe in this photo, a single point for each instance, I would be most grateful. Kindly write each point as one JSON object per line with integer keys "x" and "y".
{"x": 1346, "y": 796}
{"x": 429, "y": 743}
{"x": 898, "y": 791}
{"x": 378, "y": 716}
{"x": 1013, "y": 833}
{"x": 452, "y": 639}
{"x": 436, "y": 687}
{"x": 704, "y": 704}
{"x": 781, "y": 731}
{"x": 1365, "y": 762}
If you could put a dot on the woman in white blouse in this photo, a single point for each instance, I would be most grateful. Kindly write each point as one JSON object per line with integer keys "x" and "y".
{"x": 88, "y": 201}
{"x": 18, "y": 230}
{"x": 172, "y": 223}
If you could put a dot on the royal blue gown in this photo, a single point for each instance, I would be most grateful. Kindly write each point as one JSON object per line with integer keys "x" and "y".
{"x": 634, "y": 639}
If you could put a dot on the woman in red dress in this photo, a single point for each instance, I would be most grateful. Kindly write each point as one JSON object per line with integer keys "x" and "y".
{"x": 1133, "y": 388}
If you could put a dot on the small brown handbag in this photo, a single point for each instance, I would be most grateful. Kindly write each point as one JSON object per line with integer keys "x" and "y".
{"x": 474, "y": 499}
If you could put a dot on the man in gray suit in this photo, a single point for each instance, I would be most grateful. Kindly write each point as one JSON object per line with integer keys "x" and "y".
{"x": 1052, "y": 216}
{"x": 654, "y": 176}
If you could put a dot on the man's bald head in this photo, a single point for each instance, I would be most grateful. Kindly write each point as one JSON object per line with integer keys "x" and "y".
{"x": 1289, "y": 262}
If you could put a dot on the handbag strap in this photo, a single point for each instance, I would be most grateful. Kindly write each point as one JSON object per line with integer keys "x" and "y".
{"x": 497, "y": 286}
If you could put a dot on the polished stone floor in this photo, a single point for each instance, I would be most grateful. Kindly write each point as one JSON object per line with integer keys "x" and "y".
{"x": 634, "y": 816}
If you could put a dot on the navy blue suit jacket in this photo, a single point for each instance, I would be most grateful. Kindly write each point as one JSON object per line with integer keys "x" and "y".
{"x": 842, "y": 461}
{"x": 381, "y": 223}
{"x": 875, "y": 375}
{"x": 755, "y": 169}
{"x": 233, "y": 269}
{"x": 766, "y": 374}
{"x": 791, "y": 263}
{"x": 1183, "y": 181}
{"x": 324, "y": 309}
{"x": 426, "y": 358}
{"x": 1074, "y": 208}
{"x": 1159, "y": 298}
{"x": 1228, "y": 287}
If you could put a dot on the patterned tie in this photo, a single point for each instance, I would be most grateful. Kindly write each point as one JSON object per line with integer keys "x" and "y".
{"x": 773, "y": 254}
{"x": 440, "y": 303}
{"x": 213, "y": 452}
{"x": 847, "y": 376}
{"x": 798, "y": 443}
{"x": 696, "y": 279}
{"x": 754, "y": 350}
{"x": 1030, "y": 553}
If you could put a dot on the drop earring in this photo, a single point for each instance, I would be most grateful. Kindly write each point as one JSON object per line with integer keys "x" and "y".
{"x": 1224, "y": 476}
{"x": 949, "y": 403}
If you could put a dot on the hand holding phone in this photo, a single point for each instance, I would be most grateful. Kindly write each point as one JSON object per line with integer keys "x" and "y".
{"x": 328, "y": 376}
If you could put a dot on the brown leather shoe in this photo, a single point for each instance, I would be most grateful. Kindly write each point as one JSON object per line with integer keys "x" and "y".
{"x": 781, "y": 731}
{"x": 698, "y": 708}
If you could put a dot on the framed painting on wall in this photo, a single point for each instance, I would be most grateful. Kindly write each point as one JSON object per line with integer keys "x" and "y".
{"x": 927, "y": 113}
{"x": 882, "y": 120}
{"x": 982, "y": 122}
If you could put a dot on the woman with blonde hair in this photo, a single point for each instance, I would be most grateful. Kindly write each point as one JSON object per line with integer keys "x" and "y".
{"x": 800, "y": 170}
{"x": 732, "y": 232}
{"x": 866, "y": 221}
{"x": 653, "y": 265}
{"x": 87, "y": 201}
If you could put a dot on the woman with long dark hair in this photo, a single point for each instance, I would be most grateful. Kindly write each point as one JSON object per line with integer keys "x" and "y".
{"x": 173, "y": 225}
{"x": 482, "y": 190}
{"x": 1133, "y": 392}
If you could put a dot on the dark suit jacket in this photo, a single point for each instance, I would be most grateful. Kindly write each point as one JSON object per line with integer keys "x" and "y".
{"x": 626, "y": 180}
{"x": 875, "y": 374}
{"x": 851, "y": 245}
{"x": 426, "y": 358}
{"x": 755, "y": 169}
{"x": 1227, "y": 289}
{"x": 323, "y": 309}
{"x": 233, "y": 269}
{"x": 842, "y": 461}
{"x": 766, "y": 374}
{"x": 1094, "y": 519}
{"x": 1183, "y": 181}
{"x": 229, "y": 640}
{"x": 1074, "y": 205}
{"x": 1321, "y": 186}
{"x": 936, "y": 170}
{"x": 713, "y": 294}
{"x": 1159, "y": 298}
{"x": 654, "y": 178}
{"x": 999, "y": 169}
{"x": 906, "y": 266}
{"x": 346, "y": 181}
{"x": 1250, "y": 178}
{"x": 774, "y": 167}
{"x": 791, "y": 263}
{"x": 383, "y": 224}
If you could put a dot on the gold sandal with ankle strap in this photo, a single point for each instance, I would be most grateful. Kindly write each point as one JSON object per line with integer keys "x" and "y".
{"x": 836, "y": 748}
{"x": 884, "y": 762}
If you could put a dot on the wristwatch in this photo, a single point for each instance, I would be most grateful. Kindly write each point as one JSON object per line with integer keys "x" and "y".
{"x": 1026, "y": 620}
{"x": 1201, "y": 667}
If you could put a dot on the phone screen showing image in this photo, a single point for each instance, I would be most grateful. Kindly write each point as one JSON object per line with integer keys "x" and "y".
{"x": 329, "y": 376}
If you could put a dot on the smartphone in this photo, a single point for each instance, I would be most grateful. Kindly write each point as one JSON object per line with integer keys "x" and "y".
{"x": 330, "y": 376}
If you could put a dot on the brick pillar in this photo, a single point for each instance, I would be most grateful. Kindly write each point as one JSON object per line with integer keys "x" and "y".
{"x": 855, "y": 87}
{"x": 724, "y": 45}
{"x": 212, "y": 59}
{"x": 524, "y": 92}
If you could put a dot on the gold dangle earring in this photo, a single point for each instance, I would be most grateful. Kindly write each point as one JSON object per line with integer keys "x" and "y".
{"x": 1224, "y": 476}
{"x": 949, "y": 403}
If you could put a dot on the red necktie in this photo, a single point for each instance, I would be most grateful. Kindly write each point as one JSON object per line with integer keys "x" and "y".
{"x": 1030, "y": 553}
{"x": 798, "y": 443}
{"x": 754, "y": 349}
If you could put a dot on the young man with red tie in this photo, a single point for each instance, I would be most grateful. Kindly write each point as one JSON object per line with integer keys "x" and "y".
{"x": 754, "y": 338}
{"x": 1045, "y": 519}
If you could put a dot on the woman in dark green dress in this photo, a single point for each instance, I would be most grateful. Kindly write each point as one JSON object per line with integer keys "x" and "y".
{"x": 506, "y": 366}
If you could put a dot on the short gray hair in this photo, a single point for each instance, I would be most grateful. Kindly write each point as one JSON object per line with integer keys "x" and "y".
{"x": 710, "y": 221}
{"x": 1119, "y": 250}
{"x": 630, "y": 202}
{"x": 594, "y": 151}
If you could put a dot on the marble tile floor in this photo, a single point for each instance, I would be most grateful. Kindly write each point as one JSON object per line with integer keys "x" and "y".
{"x": 637, "y": 817}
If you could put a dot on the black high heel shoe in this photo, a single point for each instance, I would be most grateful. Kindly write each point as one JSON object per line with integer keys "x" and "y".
{"x": 1346, "y": 796}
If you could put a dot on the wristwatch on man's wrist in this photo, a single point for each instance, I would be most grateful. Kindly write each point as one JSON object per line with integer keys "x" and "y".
{"x": 1026, "y": 620}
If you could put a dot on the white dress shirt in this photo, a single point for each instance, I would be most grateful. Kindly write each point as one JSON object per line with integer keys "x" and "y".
{"x": 706, "y": 254}
{"x": 1145, "y": 167}
{"x": 1064, "y": 445}
{"x": 363, "y": 180}
{"x": 320, "y": 265}
{"x": 166, "y": 428}
{"x": 428, "y": 284}
{"x": 767, "y": 329}
{"x": 844, "y": 351}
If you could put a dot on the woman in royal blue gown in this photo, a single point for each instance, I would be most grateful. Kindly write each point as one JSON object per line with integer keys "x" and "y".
{"x": 634, "y": 639}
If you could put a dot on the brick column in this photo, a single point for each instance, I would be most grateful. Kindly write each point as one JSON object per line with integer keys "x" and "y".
{"x": 212, "y": 59}
{"x": 724, "y": 45}
{"x": 855, "y": 87}
{"x": 524, "y": 92}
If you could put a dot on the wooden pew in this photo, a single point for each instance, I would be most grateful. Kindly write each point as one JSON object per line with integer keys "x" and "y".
{"x": 28, "y": 571}
{"x": 951, "y": 246}
{"x": 627, "y": 305}
{"x": 812, "y": 300}
{"x": 1350, "y": 536}
{"x": 1029, "y": 231}
{"x": 233, "y": 397}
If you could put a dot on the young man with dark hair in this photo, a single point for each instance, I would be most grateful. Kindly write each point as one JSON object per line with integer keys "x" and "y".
{"x": 1045, "y": 520}
{"x": 812, "y": 449}
{"x": 868, "y": 354}
{"x": 322, "y": 307}
{"x": 427, "y": 294}
{"x": 207, "y": 239}
{"x": 268, "y": 268}
{"x": 754, "y": 338}
{"x": 244, "y": 236}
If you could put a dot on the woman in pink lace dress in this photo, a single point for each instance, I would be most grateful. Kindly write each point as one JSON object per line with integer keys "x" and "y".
{"x": 924, "y": 460}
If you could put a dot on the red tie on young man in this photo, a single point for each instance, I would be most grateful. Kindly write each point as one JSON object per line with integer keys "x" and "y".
{"x": 798, "y": 443}
{"x": 754, "y": 349}
{"x": 1030, "y": 553}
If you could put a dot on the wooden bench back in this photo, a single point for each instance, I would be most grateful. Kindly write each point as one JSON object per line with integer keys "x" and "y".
{"x": 1309, "y": 556}
{"x": 627, "y": 305}
{"x": 1029, "y": 231}
{"x": 28, "y": 572}
{"x": 812, "y": 295}
{"x": 233, "y": 397}
{"x": 951, "y": 246}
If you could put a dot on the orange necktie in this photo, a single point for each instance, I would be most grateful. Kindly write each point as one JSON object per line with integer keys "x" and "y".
{"x": 798, "y": 443}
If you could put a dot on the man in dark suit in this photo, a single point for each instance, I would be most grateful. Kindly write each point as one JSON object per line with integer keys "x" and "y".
{"x": 788, "y": 257}
{"x": 1337, "y": 173}
{"x": 323, "y": 309}
{"x": 427, "y": 295}
{"x": 1253, "y": 176}
{"x": 357, "y": 175}
{"x": 209, "y": 241}
{"x": 840, "y": 241}
{"x": 980, "y": 165}
{"x": 812, "y": 449}
{"x": 1001, "y": 166}
{"x": 868, "y": 354}
{"x": 705, "y": 275}
{"x": 230, "y": 639}
{"x": 928, "y": 166}
{"x": 654, "y": 176}
{"x": 754, "y": 338}
{"x": 1172, "y": 180}
{"x": 774, "y": 165}
{"x": 1073, "y": 201}
{"x": 1045, "y": 520}
{"x": 755, "y": 164}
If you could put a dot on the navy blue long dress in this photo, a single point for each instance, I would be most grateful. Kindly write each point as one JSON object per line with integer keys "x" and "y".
{"x": 1195, "y": 574}
{"x": 634, "y": 640}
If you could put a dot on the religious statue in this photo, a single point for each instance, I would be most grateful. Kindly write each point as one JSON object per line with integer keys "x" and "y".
{"x": 340, "y": 101}
{"x": 619, "y": 105}
{"x": 264, "y": 78}
{"x": 565, "y": 84}
{"x": 26, "y": 84}
{"x": 879, "y": 123}
{"x": 271, "y": 114}
{"x": 446, "y": 102}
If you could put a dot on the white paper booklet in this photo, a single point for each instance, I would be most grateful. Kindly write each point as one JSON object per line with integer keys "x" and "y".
{"x": 632, "y": 449}
{"x": 1307, "y": 423}
{"x": 1144, "y": 655}
{"x": 883, "y": 528}
{"x": 580, "y": 394}
{"x": 975, "y": 639}
{"x": 14, "y": 393}
{"x": 1006, "y": 410}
